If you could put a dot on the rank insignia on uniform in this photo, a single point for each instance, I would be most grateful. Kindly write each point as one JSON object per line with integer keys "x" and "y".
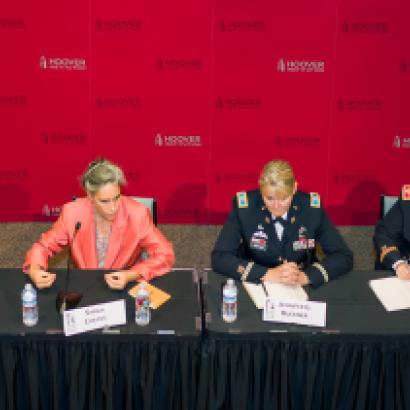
{"x": 314, "y": 200}
{"x": 267, "y": 220}
{"x": 292, "y": 220}
{"x": 242, "y": 198}
{"x": 405, "y": 193}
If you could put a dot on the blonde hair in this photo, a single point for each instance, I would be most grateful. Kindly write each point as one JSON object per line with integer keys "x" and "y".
{"x": 99, "y": 173}
{"x": 278, "y": 175}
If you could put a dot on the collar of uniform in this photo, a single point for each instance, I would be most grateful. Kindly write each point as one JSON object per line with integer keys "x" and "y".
{"x": 284, "y": 216}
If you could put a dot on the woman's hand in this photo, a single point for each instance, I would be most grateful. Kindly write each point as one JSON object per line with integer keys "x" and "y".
{"x": 119, "y": 280}
{"x": 287, "y": 273}
{"x": 40, "y": 277}
{"x": 403, "y": 270}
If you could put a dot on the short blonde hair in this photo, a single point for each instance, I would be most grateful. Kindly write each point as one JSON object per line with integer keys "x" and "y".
{"x": 278, "y": 175}
{"x": 99, "y": 173}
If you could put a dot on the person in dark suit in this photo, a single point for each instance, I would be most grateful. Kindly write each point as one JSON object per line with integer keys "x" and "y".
{"x": 272, "y": 234}
{"x": 392, "y": 236}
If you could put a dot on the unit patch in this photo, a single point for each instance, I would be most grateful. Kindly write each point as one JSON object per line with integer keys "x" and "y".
{"x": 314, "y": 200}
{"x": 242, "y": 199}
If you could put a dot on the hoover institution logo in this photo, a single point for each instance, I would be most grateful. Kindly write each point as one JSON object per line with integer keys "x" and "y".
{"x": 300, "y": 66}
{"x": 62, "y": 63}
{"x": 401, "y": 142}
{"x": 178, "y": 140}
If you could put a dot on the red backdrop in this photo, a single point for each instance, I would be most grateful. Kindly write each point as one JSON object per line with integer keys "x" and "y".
{"x": 192, "y": 97}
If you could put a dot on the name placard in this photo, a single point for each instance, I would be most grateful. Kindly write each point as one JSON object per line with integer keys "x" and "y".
{"x": 94, "y": 317}
{"x": 295, "y": 311}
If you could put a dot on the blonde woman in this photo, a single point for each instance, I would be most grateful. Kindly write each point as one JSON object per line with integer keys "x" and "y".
{"x": 272, "y": 234}
{"x": 104, "y": 230}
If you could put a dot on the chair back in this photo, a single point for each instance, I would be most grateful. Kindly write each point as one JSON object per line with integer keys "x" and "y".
{"x": 151, "y": 204}
{"x": 386, "y": 202}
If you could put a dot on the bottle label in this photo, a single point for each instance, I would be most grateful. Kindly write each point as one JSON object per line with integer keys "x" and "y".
{"x": 229, "y": 302}
{"x": 142, "y": 310}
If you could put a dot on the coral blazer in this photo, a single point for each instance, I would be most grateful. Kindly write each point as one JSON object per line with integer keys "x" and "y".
{"x": 132, "y": 232}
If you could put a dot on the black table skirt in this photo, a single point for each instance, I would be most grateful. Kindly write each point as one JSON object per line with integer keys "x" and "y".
{"x": 360, "y": 361}
{"x": 113, "y": 372}
{"x": 136, "y": 372}
{"x": 293, "y": 372}
{"x": 149, "y": 368}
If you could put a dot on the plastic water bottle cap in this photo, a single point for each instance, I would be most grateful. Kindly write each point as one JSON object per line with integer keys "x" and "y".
{"x": 231, "y": 282}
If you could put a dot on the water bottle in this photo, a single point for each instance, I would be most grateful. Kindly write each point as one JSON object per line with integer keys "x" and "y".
{"x": 29, "y": 305}
{"x": 142, "y": 309}
{"x": 229, "y": 301}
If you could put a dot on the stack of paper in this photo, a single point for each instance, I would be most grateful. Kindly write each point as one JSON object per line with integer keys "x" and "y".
{"x": 259, "y": 292}
{"x": 256, "y": 292}
{"x": 393, "y": 293}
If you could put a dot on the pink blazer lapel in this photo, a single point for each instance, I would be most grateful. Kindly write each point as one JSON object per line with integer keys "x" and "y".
{"x": 84, "y": 244}
{"x": 117, "y": 236}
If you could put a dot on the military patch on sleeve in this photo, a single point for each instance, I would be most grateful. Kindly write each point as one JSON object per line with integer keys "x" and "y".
{"x": 405, "y": 193}
{"x": 314, "y": 200}
{"x": 384, "y": 250}
{"x": 242, "y": 199}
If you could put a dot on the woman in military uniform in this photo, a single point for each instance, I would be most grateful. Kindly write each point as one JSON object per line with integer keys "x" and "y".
{"x": 392, "y": 236}
{"x": 272, "y": 234}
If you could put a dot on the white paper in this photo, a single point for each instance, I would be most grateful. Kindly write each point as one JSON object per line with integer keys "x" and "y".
{"x": 259, "y": 292}
{"x": 393, "y": 293}
{"x": 94, "y": 317}
{"x": 280, "y": 291}
{"x": 256, "y": 292}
